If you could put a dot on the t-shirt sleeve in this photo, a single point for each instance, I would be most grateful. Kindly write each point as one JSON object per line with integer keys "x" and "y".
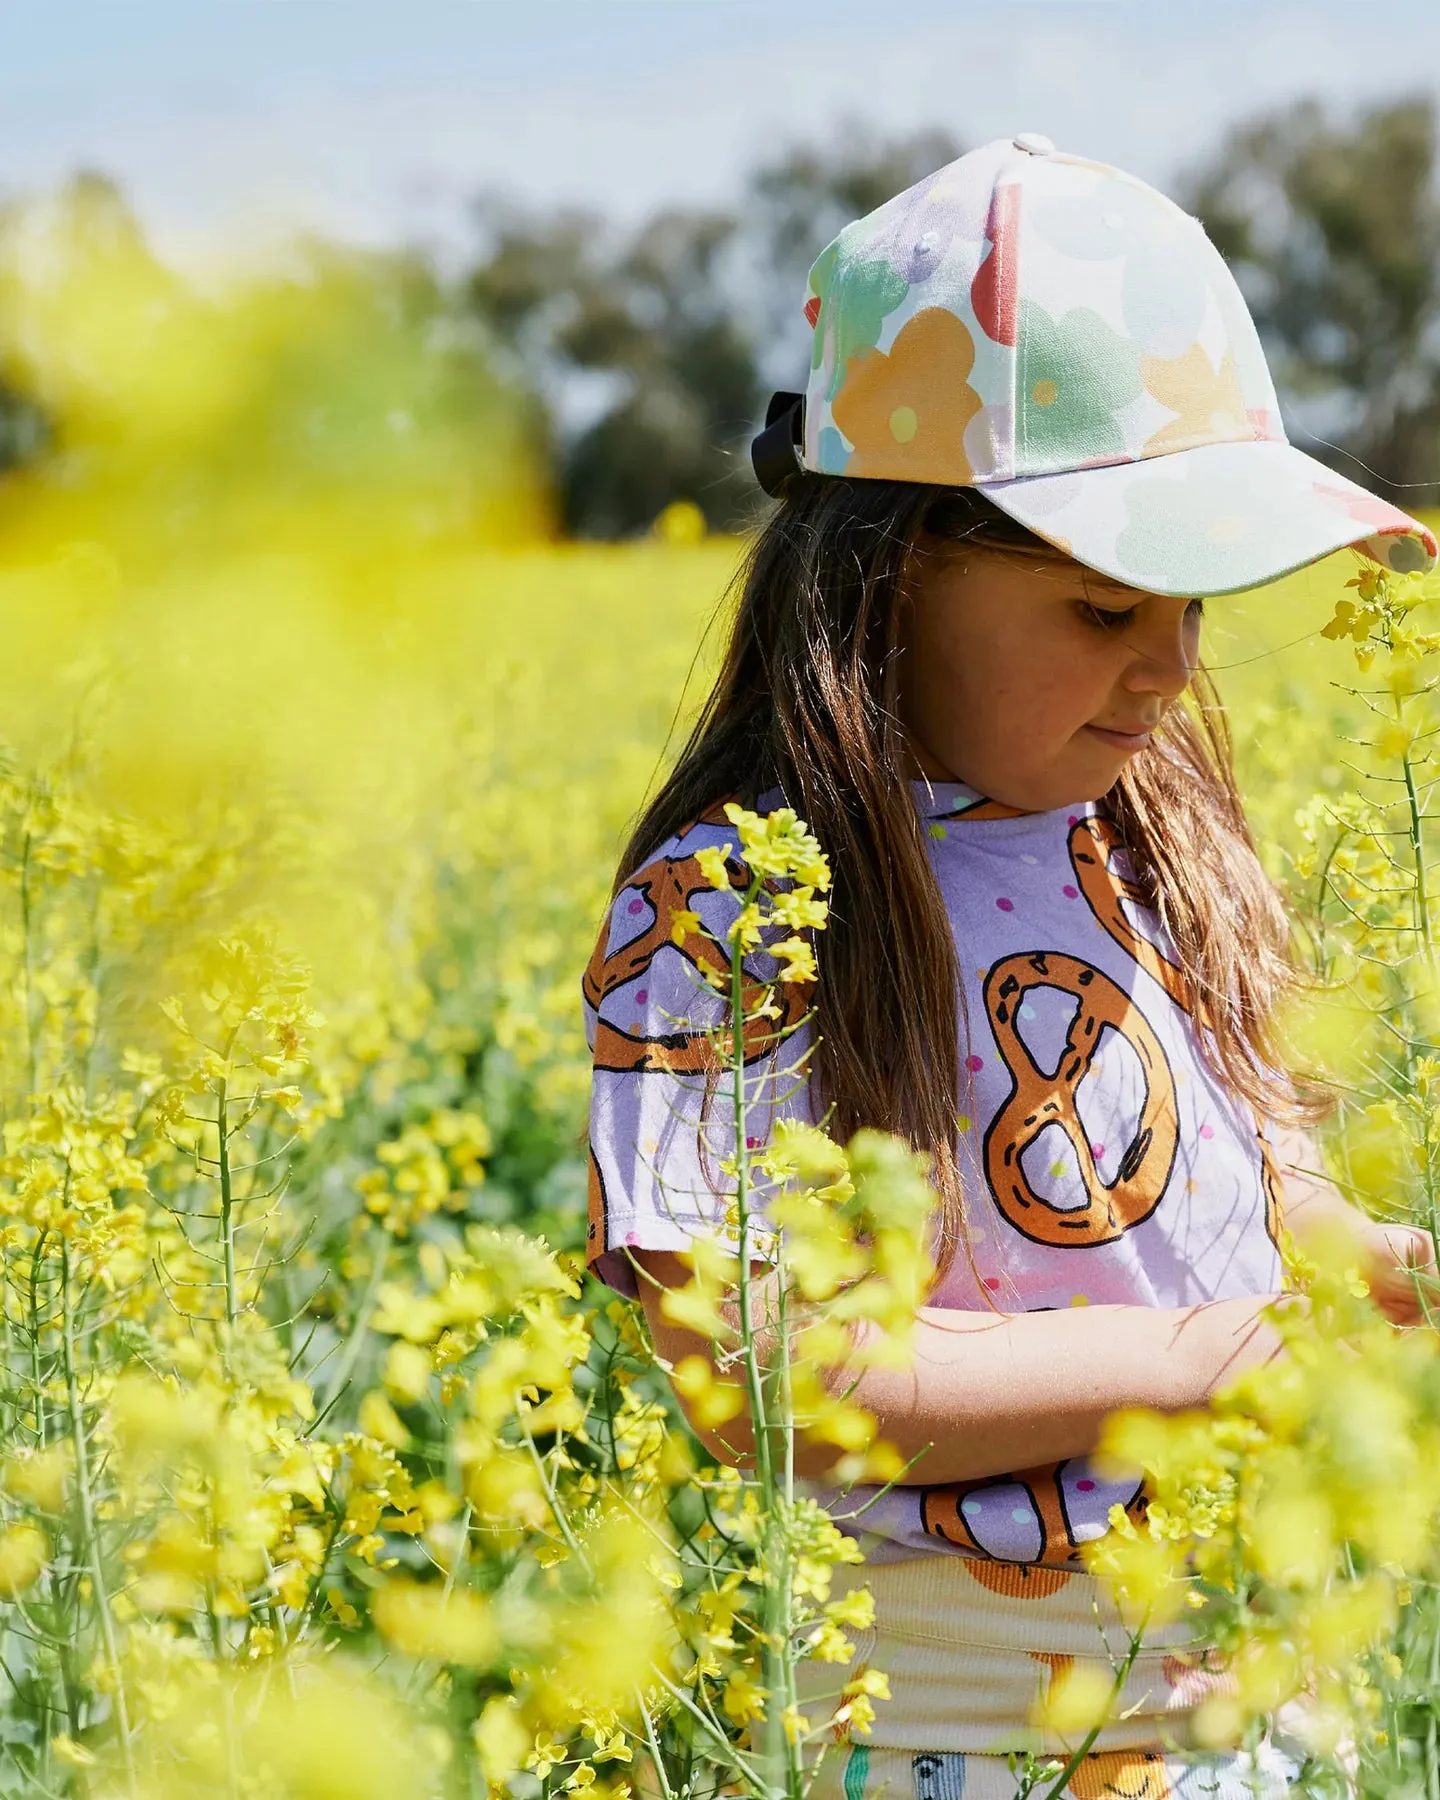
{"x": 662, "y": 1114}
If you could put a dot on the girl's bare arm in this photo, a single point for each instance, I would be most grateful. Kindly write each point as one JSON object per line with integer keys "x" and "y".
{"x": 1387, "y": 1252}
{"x": 988, "y": 1393}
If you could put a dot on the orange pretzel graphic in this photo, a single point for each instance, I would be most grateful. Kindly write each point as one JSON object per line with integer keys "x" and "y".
{"x": 1092, "y": 844}
{"x": 668, "y": 885}
{"x": 1038, "y": 1099}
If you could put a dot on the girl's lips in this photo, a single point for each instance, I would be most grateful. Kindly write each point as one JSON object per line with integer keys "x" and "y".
{"x": 1123, "y": 740}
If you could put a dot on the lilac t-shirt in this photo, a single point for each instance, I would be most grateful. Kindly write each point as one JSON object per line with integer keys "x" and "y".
{"x": 1102, "y": 1161}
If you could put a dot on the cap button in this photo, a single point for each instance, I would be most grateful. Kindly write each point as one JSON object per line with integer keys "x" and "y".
{"x": 1034, "y": 143}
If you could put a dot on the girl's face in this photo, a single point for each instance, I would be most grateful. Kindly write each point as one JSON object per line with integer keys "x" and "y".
{"x": 1031, "y": 678}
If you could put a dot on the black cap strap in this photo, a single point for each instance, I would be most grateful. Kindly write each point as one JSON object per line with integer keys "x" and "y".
{"x": 775, "y": 451}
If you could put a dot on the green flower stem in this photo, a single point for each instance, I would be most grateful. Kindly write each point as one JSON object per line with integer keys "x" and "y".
{"x": 28, "y": 965}
{"x": 1417, "y": 848}
{"x": 781, "y": 1753}
{"x": 753, "y": 1380}
{"x": 677, "y": 1693}
{"x": 1422, "y": 920}
{"x": 1117, "y": 1688}
{"x": 37, "y": 1376}
{"x": 227, "y": 1203}
{"x": 350, "y": 1355}
{"x": 1432, "y": 1687}
{"x": 89, "y": 1531}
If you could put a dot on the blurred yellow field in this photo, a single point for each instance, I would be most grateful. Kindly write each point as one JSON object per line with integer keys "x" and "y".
{"x": 320, "y": 754}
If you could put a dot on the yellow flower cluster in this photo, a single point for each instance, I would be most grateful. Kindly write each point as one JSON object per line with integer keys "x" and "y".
{"x": 1299, "y": 1516}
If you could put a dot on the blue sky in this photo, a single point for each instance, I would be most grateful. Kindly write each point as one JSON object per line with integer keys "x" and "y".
{"x": 229, "y": 120}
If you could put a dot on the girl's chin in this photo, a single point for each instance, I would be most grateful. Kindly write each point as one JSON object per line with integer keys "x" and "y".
{"x": 1079, "y": 779}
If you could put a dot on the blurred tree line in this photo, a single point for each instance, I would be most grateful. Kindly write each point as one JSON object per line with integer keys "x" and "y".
{"x": 23, "y": 428}
{"x": 1333, "y": 231}
{"x": 648, "y": 353}
{"x": 657, "y": 349}
{"x": 349, "y": 382}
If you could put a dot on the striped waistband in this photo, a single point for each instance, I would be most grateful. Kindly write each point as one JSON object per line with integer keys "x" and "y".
{"x": 969, "y": 1647}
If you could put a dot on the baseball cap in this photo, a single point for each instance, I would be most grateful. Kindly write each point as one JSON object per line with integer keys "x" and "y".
{"x": 1067, "y": 340}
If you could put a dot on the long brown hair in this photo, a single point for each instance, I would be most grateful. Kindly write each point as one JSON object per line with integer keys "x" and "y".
{"x": 805, "y": 700}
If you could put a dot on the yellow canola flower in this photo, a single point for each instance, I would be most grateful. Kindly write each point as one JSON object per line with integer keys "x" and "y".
{"x": 809, "y": 1158}
{"x": 709, "y": 1401}
{"x": 504, "y": 1485}
{"x": 41, "y": 1478}
{"x": 76, "y": 1756}
{"x": 1145, "y": 1574}
{"x": 153, "y": 1419}
{"x": 711, "y": 862}
{"x": 681, "y": 522}
{"x": 501, "y": 1738}
{"x": 1077, "y": 1697}
{"x": 744, "y": 1699}
{"x": 425, "y": 1621}
{"x": 856, "y": 1709}
{"x": 328, "y": 1730}
{"x": 796, "y": 958}
{"x": 745, "y": 929}
{"x": 819, "y": 1250}
{"x": 24, "y": 1552}
{"x": 1291, "y": 1537}
{"x": 408, "y": 1368}
{"x": 607, "y": 1643}
{"x": 1348, "y": 1619}
{"x": 377, "y": 1418}
{"x": 499, "y": 1382}
{"x": 1268, "y": 1670}
{"x": 799, "y": 910}
{"x": 685, "y": 923}
{"x": 696, "y": 1305}
{"x": 779, "y": 844}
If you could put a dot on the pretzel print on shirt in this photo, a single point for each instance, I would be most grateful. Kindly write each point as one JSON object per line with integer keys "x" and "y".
{"x": 1033, "y": 1518}
{"x": 1093, "y": 843}
{"x": 667, "y": 886}
{"x": 641, "y": 1040}
{"x": 1039, "y": 1100}
{"x": 1274, "y": 1184}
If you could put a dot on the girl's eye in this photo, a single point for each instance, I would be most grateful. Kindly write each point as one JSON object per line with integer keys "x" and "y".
{"x": 1107, "y": 618}
{"x": 1115, "y": 618}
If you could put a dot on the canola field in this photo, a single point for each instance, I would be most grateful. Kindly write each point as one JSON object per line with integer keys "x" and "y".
{"x": 322, "y": 1472}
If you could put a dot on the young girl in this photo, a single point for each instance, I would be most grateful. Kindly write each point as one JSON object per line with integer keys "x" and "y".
{"x": 1038, "y": 425}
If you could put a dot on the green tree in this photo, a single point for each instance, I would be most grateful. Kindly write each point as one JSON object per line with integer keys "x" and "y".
{"x": 796, "y": 204}
{"x": 1333, "y": 229}
{"x": 24, "y": 430}
{"x": 656, "y": 350}
{"x": 647, "y": 329}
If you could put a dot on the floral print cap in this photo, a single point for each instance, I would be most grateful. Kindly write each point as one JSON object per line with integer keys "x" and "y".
{"x": 1067, "y": 340}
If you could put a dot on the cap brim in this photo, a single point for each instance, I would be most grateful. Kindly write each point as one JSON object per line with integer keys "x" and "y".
{"x": 1212, "y": 520}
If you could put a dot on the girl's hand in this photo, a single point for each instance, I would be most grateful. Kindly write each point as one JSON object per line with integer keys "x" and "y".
{"x": 1388, "y": 1255}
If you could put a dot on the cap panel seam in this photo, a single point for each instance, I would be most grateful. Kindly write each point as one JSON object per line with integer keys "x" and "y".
{"x": 1019, "y": 376}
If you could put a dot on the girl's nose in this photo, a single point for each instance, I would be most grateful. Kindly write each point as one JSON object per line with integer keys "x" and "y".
{"x": 1167, "y": 651}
